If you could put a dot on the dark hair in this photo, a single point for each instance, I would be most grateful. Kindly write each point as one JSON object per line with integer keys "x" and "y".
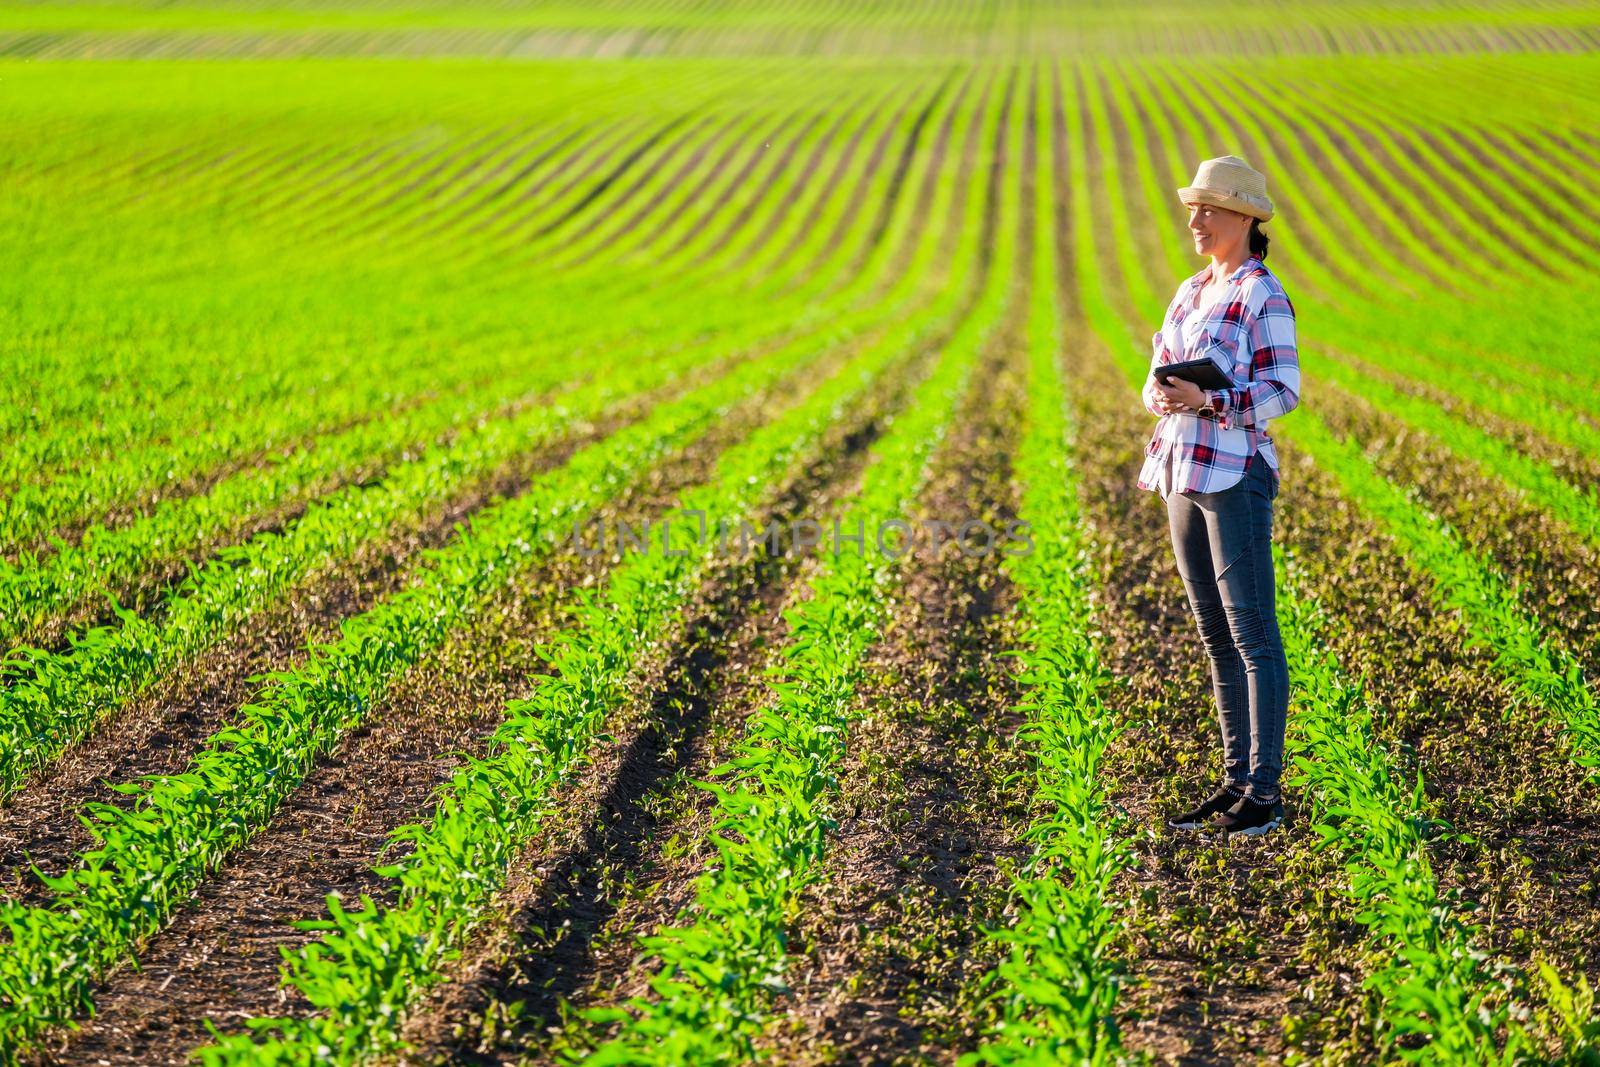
{"x": 1258, "y": 240}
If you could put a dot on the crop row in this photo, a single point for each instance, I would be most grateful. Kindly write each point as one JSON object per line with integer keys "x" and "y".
{"x": 556, "y": 32}
{"x": 748, "y": 233}
{"x": 372, "y": 962}
{"x": 218, "y": 836}
{"x": 1541, "y": 669}
{"x": 151, "y": 854}
{"x": 356, "y": 210}
{"x": 37, "y": 591}
{"x": 501, "y": 308}
{"x": 1424, "y": 351}
{"x": 1541, "y": 457}
{"x": 351, "y": 206}
{"x": 704, "y": 321}
{"x": 1375, "y": 329}
{"x": 60, "y": 696}
{"x": 1056, "y": 990}
{"x": 1304, "y": 132}
{"x": 1433, "y": 978}
{"x": 719, "y": 968}
{"x": 55, "y": 699}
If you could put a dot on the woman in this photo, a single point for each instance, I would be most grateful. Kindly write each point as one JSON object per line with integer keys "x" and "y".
{"x": 1215, "y": 467}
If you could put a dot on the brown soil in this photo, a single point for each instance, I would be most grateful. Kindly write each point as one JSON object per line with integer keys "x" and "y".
{"x": 117, "y": 514}
{"x": 1450, "y": 719}
{"x": 562, "y": 892}
{"x": 508, "y": 215}
{"x": 648, "y": 205}
{"x": 623, "y": 166}
{"x": 157, "y": 732}
{"x": 840, "y": 169}
{"x": 802, "y": 178}
{"x": 1280, "y": 127}
{"x": 889, "y": 945}
{"x": 1557, "y": 569}
{"x": 795, "y": 132}
{"x": 525, "y": 166}
{"x": 658, "y": 881}
{"x": 1443, "y": 706}
{"x": 449, "y": 156}
{"x": 1513, "y": 144}
{"x": 1214, "y": 962}
{"x": 570, "y": 900}
{"x": 1575, "y": 466}
{"x": 142, "y": 592}
{"x": 218, "y": 959}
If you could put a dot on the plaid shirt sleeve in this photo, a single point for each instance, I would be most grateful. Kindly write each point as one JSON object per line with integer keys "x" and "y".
{"x": 1159, "y": 354}
{"x": 1274, "y": 385}
{"x": 1149, "y": 392}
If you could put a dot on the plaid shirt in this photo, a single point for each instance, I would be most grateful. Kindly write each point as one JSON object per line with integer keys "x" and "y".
{"x": 1249, "y": 333}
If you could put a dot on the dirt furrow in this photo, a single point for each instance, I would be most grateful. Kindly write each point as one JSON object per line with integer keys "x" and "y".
{"x": 218, "y": 959}
{"x": 157, "y": 732}
{"x": 142, "y": 591}
{"x": 1449, "y": 717}
{"x": 1557, "y": 568}
{"x": 680, "y": 846}
{"x": 618, "y": 848}
{"x": 1574, "y": 465}
{"x": 889, "y": 945}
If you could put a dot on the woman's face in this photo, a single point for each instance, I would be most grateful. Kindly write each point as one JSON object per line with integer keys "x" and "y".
{"x": 1217, "y": 230}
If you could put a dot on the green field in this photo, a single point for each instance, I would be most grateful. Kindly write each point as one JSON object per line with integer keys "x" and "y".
{"x": 329, "y": 735}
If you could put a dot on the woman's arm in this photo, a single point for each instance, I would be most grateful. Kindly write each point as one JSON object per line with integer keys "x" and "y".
{"x": 1160, "y": 353}
{"x": 1151, "y": 397}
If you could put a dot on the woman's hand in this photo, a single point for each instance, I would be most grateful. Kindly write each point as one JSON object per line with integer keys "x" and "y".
{"x": 1181, "y": 395}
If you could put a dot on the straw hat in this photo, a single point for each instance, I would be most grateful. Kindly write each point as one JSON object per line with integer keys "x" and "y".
{"x": 1230, "y": 182}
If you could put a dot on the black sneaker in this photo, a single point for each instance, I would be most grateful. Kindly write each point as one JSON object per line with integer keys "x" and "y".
{"x": 1197, "y": 818}
{"x": 1250, "y": 816}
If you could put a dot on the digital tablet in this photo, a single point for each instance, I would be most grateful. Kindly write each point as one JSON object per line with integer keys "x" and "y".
{"x": 1202, "y": 372}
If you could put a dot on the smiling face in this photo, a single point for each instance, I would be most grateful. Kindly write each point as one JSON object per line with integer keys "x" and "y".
{"x": 1217, "y": 231}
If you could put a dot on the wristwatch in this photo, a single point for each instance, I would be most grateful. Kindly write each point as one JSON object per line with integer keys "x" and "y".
{"x": 1206, "y": 411}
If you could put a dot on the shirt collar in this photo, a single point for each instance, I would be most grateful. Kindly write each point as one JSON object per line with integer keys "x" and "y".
{"x": 1251, "y": 263}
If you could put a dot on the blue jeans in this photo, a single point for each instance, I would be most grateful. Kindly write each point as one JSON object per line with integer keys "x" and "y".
{"x": 1223, "y": 544}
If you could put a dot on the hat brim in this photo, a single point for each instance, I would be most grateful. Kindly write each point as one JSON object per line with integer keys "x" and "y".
{"x": 1190, "y": 193}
